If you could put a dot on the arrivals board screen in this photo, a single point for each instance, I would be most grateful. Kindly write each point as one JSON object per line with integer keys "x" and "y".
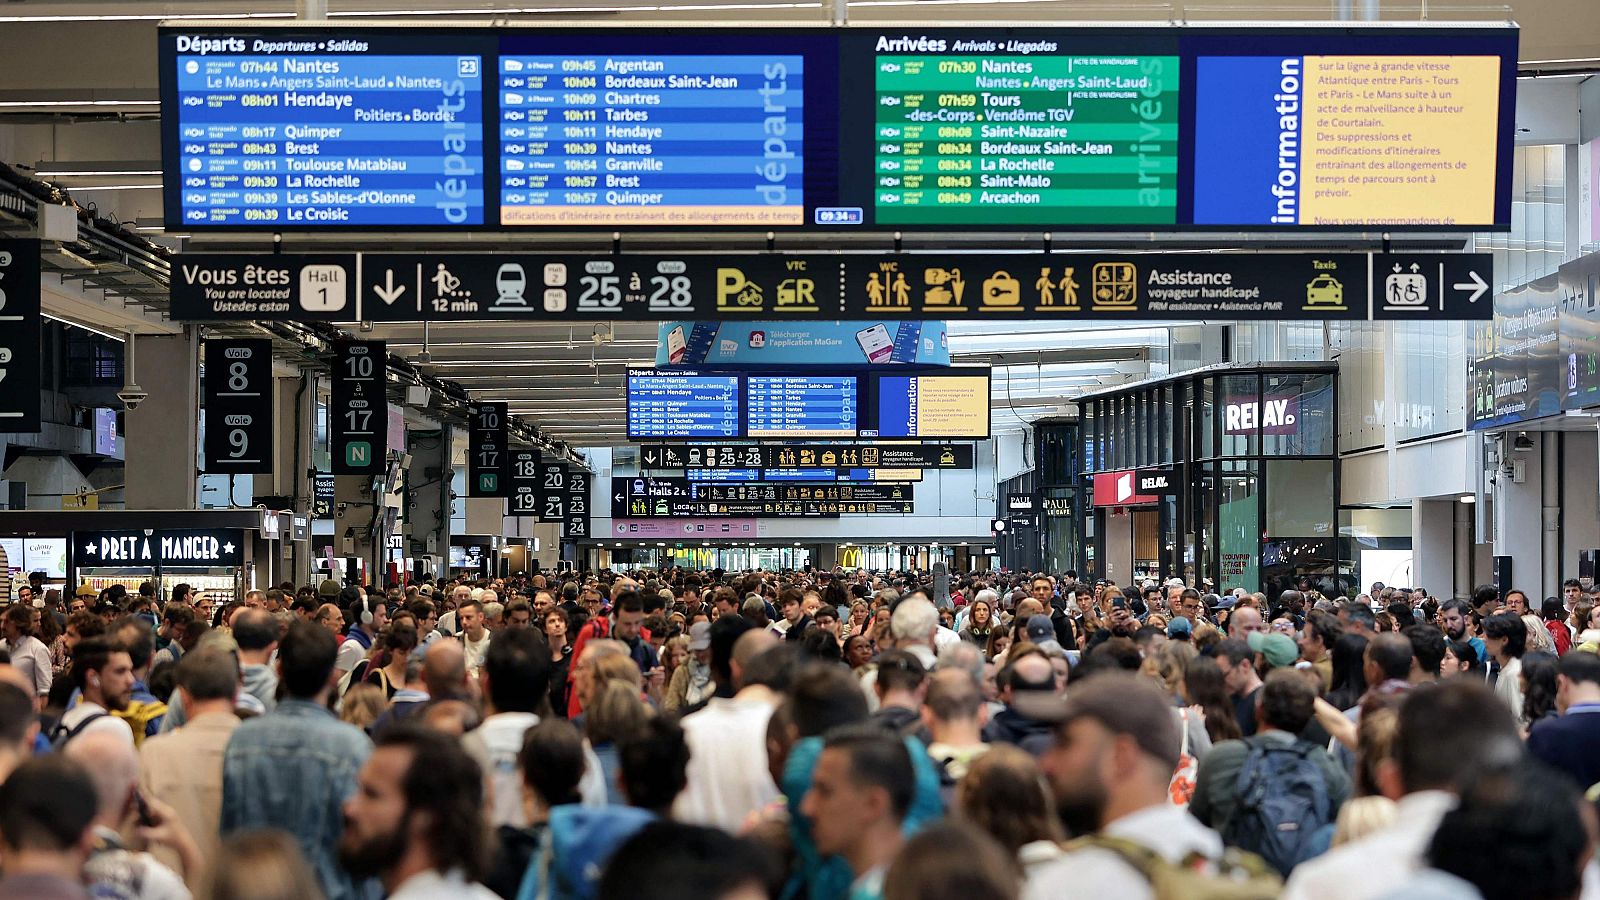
{"x": 800, "y": 406}
{"x": 669, "y": 405}
{"x": 863, "y": 128}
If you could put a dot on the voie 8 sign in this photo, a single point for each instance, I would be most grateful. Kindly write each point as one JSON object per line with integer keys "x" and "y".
{"x": 238, "y": 407}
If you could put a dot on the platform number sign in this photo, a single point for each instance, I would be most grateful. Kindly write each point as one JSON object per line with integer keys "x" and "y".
{"x": 359, "y": 414}
{"x": 576, "y": 522}
{"x": 238, "y": 407}
{"x": 552, "y": 492}
{"x": 525, "y": 478}
{"x": 488, "y": 451}
{"x": 20, "y": 404}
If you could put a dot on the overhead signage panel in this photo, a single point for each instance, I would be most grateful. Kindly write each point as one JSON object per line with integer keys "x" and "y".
{"x": 814, "y": 343}
{"x": 525, "y": 479}
{"x": 806, "y": 456}
{"x": 879, "y": 289}
{"x": 1146, "y": 127}
{"x": 553, "y": 491}
{"x": 20, "y": 410}
{"x": 575, "y": 524}
{"x": 242, "y": 287}
{"x": 488, "y": 451}
{"x": 238, "y": 407}
{"x": 359, "y": 408}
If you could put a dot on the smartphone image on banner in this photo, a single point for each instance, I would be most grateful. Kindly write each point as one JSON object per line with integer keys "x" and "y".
{"x": 875, "y": 343}
{"x": 905, "y": 342}
{"x": 675, "y": 345}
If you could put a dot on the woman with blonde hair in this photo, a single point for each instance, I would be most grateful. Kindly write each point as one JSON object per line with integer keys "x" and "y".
{"x": 362, "y": 705}
{"x": 262, "y": 864}
{"x": 616, "y": 715}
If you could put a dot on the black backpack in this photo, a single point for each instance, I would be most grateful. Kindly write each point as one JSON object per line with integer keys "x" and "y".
{"x": 1283, "y": 813}
{"x": 61, "y": 734}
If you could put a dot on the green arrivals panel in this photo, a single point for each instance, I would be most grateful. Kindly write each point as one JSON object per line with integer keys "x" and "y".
{"x": 1062, "y": 140}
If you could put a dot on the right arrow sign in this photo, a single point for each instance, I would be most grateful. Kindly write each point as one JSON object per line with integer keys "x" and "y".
{"x": 1476, "y": 285}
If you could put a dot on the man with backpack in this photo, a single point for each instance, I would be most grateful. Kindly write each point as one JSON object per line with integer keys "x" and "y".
{"x": 1116, "y": 746}
{"x": 102, "y": 671}
{"x": 1273, "y": 794}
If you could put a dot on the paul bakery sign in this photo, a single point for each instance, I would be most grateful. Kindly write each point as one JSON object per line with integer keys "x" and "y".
{"x": 220, "y": 547}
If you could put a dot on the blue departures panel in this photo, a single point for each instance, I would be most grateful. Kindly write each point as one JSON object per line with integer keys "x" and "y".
{"x": 634, "y": 139}
{"x": 801, "y": 406}
{"x": 304, "y": 133}
{"x": 683, "y": 406}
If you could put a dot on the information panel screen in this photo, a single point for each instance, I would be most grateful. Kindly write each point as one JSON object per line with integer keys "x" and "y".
{"x": 669, "y": 405}
{"x": 800, "y": 406}
{"x": 932, "y": 406}
{"x": 1003, "y": 128}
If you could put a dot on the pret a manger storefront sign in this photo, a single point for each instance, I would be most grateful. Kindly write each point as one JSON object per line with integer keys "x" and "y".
{"x": 203, "y": 547}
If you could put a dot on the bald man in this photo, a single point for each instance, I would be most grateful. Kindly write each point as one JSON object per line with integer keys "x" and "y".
{"x": 113, "y": 766}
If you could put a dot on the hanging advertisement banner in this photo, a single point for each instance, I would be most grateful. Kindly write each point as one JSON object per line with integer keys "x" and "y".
{"x": 803, "y": 343}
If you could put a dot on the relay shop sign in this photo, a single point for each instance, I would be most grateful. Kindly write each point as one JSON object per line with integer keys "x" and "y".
{"x": 1161, "y": 482}
{"x": 20, "y": 410}
{"x": 874, "y": 287}
{"x": 1271, "y": 415}
{"x": 221, "y": 547}
{"x": 1120, "y": 489}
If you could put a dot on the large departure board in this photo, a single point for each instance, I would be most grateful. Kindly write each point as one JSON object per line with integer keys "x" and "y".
{"x": 757, "y": 129}
{"x": 299, "y": 133}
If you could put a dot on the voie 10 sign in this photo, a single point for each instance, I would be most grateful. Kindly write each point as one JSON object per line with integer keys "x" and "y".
{"x": 1021, "y": 128}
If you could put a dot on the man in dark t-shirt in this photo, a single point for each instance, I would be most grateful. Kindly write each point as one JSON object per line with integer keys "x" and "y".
{"x": 1238, "y": 664}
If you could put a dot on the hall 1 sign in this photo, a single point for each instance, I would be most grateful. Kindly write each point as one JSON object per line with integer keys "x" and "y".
{"x": 576, "y": 522}
{"x": 238, "y": 407}
{"x": 488, "y": 451}
{"x": 524, "y": 483}
{"x": 20, "y": 404}
{"x": 212, "y": 548}
{"x": 359, "y": 410}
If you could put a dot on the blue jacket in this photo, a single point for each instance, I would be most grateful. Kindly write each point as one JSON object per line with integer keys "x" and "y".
{"x": 292, "y": 769}
{"x": 829, "y": 878}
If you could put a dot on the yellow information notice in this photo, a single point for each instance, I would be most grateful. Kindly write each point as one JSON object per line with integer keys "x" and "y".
{"x": 952, "y": 406}
{"x": 1399, "y": 140}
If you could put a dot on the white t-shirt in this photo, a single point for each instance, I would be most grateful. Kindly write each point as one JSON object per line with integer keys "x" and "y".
{"x": 1095, "y": 873}
{"x": 430, "y": 885}
{"x": 728, "y": 777}
{"x": 106, "y": 724}
{"x": 496, "y": 744}
{"x": 475, "y": 651}
{"x": 32, "y": 658}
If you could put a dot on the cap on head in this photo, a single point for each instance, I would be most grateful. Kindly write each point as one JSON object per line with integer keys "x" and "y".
{"x": 1279, "y": 650}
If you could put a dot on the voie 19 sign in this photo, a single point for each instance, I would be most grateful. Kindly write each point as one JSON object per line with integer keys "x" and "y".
{"x": 1270, "y": 415}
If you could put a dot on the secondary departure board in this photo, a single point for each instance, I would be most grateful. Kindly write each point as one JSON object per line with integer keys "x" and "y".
{"x": 293, "y": 133}
{"x": 775, "y": 129}
{"x": 662, "y": 405}
{"x": 800, "y": 406}
{"x": 651, "y": 140}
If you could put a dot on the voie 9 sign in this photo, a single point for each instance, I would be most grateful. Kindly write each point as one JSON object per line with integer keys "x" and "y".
{"x": 1269, "y": 415}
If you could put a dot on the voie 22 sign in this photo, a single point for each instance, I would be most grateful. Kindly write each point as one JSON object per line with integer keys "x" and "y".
{"x": 1271, "y": 415}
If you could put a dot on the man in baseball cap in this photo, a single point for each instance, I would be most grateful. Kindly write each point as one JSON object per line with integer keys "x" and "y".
{"x": 1276, "y": 650}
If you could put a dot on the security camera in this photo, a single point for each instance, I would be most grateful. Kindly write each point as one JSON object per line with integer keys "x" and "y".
{"x": 131, "y": 396}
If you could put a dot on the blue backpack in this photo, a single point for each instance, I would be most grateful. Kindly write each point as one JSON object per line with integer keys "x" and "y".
{"x": 577, "y": 845}
{"x": 1283, "y": 813}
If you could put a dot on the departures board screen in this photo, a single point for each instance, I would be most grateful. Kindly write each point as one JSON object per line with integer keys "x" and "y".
{"x": 861, "y": 128}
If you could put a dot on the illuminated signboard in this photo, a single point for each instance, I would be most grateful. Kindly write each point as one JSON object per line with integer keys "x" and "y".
{"x": 933, "y": 406}
{"x": 1017, "y": 127}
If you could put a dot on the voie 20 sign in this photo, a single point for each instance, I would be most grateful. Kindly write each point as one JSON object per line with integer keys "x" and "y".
{"x": 1270, "y": 415}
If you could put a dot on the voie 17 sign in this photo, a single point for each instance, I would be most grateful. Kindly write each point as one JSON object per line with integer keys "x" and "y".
{"x": 359, "y": 414}
{"x": 488, "y": 453}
